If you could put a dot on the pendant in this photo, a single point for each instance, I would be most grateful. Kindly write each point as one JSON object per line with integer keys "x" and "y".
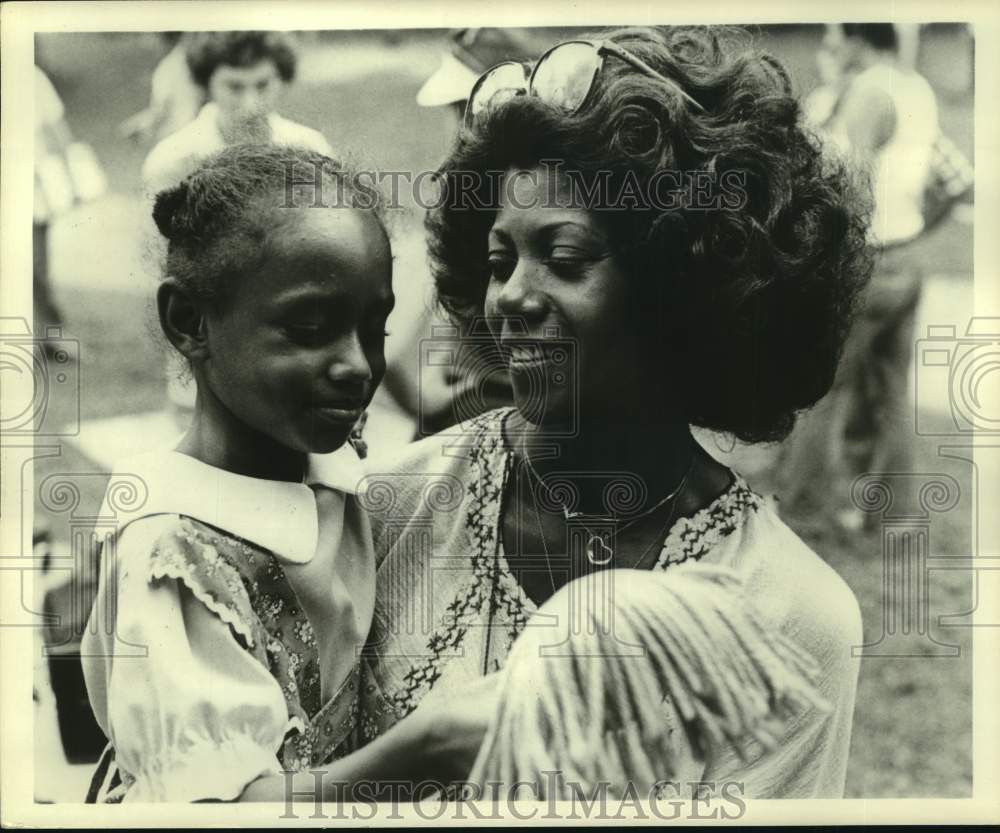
{"x": 598, "y": 553}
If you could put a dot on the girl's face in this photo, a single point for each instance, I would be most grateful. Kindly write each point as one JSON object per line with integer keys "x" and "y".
{"x": 297, "y": 349}
{"x": 557, "y": 303}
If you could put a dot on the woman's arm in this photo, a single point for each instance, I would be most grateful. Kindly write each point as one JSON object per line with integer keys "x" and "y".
{"x": 437, "y": 743}
{"x": 398, "y": 756}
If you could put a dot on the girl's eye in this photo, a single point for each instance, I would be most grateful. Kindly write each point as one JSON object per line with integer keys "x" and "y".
{"x": 501, "y": 267}
{"x": 305, "y": 334}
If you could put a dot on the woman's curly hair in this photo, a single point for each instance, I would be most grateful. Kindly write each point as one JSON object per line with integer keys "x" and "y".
{"x": 749, "y": 303}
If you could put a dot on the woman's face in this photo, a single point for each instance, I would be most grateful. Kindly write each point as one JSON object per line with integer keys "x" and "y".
{"x": 558, "y": 305}
{"x": 298, "y": 349}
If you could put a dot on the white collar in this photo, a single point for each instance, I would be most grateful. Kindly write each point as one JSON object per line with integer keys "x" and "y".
{"x": 273, "y": 514}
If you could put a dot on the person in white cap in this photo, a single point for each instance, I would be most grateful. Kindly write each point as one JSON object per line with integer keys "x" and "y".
{"x": 472, "y": 52}
{"x": 438, "y": 397}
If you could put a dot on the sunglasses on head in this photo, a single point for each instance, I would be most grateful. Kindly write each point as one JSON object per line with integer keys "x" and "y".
{"x": 563, "y": 77}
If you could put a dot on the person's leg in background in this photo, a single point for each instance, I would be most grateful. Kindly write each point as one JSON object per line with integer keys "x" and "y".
{"x": 880, "y": 429}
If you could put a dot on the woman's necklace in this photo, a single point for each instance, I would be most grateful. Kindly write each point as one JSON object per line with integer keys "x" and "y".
{"x": 599, "y": 552}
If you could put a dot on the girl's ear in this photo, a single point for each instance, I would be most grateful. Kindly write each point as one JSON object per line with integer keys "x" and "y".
{"x": 182, "y": 320}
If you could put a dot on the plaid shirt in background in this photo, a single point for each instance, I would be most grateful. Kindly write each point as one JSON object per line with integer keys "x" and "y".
{"x": 950, "y": 179}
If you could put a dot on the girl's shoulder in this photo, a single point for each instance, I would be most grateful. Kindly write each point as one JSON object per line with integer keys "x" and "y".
{"x": 205, "y": 560}
{"x": 173, "y": 536}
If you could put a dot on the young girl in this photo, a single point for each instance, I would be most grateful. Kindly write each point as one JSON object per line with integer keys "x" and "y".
{"x": 223, "y": 645}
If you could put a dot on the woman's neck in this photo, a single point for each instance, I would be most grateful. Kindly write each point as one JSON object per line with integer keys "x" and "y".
{"x": 218, "y": 438}
{"x": 659, "y": 453}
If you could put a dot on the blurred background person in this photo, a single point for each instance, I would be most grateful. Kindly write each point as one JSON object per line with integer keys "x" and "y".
{"x": 243, "y": 75}
{"x": 885, "y": 119}
{"x": 175, "y": 98}
{"x": 66, "y": 173}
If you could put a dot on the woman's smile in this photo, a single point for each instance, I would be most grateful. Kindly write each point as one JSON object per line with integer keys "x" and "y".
{"x": 565, "y": 335}
{"x": 522, "y": 355}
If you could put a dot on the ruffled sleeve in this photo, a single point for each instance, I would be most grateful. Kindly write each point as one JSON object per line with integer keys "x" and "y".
{"x": 198, "y": 717}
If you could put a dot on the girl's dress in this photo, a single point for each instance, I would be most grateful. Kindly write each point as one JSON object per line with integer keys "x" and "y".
{"x": 223, "y": 643}
{"x": 449, "y": 605}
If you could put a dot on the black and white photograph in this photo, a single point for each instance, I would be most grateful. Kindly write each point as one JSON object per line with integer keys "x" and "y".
{"x": 566, "y": 416}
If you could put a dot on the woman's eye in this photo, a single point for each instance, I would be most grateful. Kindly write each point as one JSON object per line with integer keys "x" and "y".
{"x": 567, "y": 266}
{"x": 501, "y": 267}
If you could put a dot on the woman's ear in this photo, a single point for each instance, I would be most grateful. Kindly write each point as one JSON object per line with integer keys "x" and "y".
{"x": 182, "y": 320}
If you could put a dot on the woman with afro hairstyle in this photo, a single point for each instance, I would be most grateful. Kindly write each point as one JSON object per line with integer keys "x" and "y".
{"x": 642, "y": 232}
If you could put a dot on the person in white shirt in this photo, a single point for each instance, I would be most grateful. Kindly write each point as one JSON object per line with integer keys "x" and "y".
{"x": 885, "y": 122}
{"x": 67, "y": 173}
{"x": 243, "y": 75}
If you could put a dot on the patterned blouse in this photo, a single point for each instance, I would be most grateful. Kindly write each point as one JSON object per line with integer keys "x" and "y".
{"x": 449, "y": 605}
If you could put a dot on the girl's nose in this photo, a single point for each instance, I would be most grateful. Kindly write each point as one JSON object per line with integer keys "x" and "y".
{"x": 350, "y": 364}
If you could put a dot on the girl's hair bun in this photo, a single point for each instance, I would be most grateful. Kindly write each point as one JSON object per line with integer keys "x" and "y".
{"x": 170, "y": 211}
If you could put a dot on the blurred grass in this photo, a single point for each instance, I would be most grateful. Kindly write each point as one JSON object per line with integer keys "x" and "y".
{"x": 913, "y": 726}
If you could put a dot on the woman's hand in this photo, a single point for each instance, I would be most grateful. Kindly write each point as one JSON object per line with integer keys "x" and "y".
{"x": 439, "y": 741}
{"x": 454, "y": 724}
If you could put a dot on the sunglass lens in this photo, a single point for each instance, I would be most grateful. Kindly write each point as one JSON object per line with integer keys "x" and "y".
{"x": 500, "y": 84}
{"x": 564, "y": 76}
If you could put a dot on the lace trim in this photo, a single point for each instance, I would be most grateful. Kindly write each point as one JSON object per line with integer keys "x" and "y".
{"x": 483, "y": 490}
{"x": 694, "y": 536}
{"x": 688, "y": 538}
{"x": 181, "y": 555}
